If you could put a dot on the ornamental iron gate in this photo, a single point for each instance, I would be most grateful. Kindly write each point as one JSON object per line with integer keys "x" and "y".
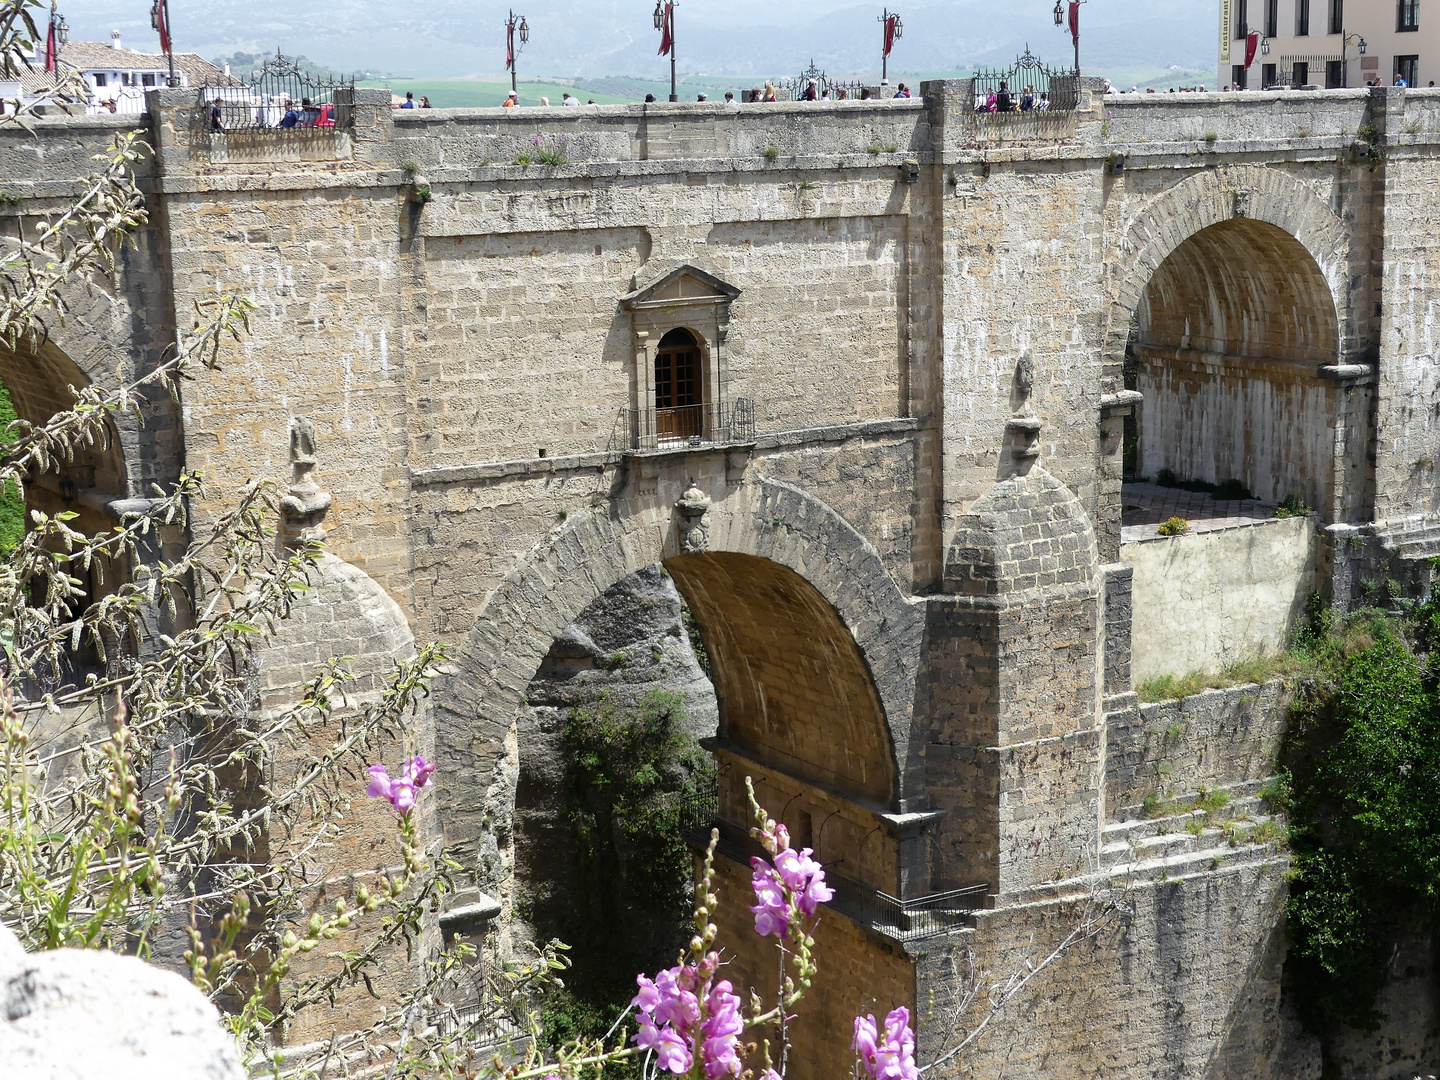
{"x": 1028, "y": 86}
{"x": 279, "y": 96}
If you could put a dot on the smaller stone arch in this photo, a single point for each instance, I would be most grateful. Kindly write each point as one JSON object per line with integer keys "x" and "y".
{"x": 1230, "y": 193}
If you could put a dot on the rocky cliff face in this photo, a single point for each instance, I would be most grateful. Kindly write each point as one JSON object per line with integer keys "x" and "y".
{"x": 629, "y": 642}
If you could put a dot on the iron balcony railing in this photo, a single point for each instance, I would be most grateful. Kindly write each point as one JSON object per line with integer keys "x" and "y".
{"x": 279, "y": 97}
{"x": 901, "y": 920}
{"x": 691, "y": 425}
{"x": 1027, "y": 86}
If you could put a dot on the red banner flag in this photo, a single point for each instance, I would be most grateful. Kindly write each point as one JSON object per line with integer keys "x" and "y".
{"x": 890, "y": 25}
{"x": 1252, "y": 42}
{"x": 51, "y": 49}
{"x": 160, "y": 21}
{"x": 509, "y": 46}
{"x": 1075, "y": 20}
{"x": 667, "y": 31}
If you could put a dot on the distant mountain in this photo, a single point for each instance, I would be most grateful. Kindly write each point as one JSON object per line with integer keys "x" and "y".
{"x": 743, "y": 38}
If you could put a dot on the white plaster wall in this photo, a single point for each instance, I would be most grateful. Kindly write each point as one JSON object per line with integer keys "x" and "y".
{"x": 1217, "y": 418}
{"x": 1204, "y": 600}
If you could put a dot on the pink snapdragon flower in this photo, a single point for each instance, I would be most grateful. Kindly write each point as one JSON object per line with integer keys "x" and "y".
{"x": 772, "y": 913}
{"x": 889, "y": 1055}
{"x": 678, "y": 1006}
{"x": 399, "y": 791}
{"x": 795, "y": 883}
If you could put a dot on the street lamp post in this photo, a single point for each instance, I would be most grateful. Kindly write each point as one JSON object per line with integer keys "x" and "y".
{"x": 514, "y": 25}
{"x": 665, "y": 23}
{"x": 893, "y": 32}
{"x": 160, "y": 20}
{"x": 1074, "y": 27}
{"x": 1360, "y": 47}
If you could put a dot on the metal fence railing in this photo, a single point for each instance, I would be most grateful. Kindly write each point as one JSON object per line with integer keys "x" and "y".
{"x": 279, "y": 97}
{"x": 1026, "y": 86}
{"x": 825, "y": 86}
{"x": 691, "y": 425}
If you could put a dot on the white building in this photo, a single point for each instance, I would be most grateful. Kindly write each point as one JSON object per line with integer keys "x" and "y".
{"x": 1318, "y": 43}
{"x": 115, "y": 73}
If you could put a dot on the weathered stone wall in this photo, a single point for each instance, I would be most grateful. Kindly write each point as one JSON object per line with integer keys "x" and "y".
{"x": 1205, "y": 599}
{"x": 1166, "y": 988}
{"x": 1267, "y": 423}
{"x": 1213, "y": 739}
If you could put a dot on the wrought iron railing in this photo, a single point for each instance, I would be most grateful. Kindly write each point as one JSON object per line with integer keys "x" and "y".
{"x": 837, "y": 89}
{"x": 691, "y": 425}
{"x": 1025, "y": 87}
{"x": 904, "y": 920}
{"x": 1298, "y": 71}
{"x": 279, "y": 97}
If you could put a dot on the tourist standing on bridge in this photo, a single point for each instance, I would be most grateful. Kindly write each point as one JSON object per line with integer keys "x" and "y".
{"x": 812, "y": 91}
{"x": 510, "y": 102}
{"x": 409, "y": 102}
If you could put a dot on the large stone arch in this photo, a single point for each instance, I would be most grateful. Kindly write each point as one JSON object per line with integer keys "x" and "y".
{"x": 1208, "y": 198}
{"x": 477, "y": 700}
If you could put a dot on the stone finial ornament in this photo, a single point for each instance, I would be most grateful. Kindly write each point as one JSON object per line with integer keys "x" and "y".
{"x": 303, "y": 509}
{"x": 1024, "y": 427}
{"x": 694, "y": 533}
{"x": 1025, "y": 376}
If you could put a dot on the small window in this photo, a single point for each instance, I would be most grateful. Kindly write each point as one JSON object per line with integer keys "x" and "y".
{"x": 1302, "y": 18}
{"x": 1408, "y": 17}
{"x": 99, "y": 78}
{"x": 1300, "y": 74}
{"x": 147, "y": 80}
{"x": 1334, "y": 74}
{"x": 1267, "y": 75}
{"x": 1407, "y": 68}
{"x": 1272, "y": 18}
{"x": 1242, "y": 19}
{"x": 1337, "y": 16}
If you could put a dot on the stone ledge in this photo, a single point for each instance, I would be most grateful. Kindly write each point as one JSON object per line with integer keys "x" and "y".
{"x": 531, "y": 467}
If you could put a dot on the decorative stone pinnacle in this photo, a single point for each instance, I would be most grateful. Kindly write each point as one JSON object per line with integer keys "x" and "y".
{"x": 303, "y": 509}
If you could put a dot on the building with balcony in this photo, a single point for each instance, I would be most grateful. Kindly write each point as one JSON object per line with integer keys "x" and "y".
{"x": 1327, "y": 43}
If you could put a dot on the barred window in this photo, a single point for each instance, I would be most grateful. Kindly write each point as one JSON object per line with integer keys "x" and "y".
{"x": 1408, "y": 17}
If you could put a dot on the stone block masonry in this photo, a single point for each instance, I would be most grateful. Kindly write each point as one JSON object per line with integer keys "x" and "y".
{"x": 898, "y": 523}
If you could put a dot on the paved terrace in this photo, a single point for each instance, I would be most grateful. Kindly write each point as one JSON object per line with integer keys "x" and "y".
{"x": 1145, "y": 506}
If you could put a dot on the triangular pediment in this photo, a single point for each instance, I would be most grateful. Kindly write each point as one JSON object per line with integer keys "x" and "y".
{"x": 684, "y": 285}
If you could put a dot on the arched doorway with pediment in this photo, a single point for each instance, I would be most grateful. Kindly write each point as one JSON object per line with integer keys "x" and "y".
{"x": 679, "y": 383}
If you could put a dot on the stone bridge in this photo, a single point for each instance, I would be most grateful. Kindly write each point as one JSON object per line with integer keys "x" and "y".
{"x": 880, "y": 385}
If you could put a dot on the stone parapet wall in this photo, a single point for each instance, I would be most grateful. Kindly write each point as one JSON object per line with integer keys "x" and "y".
{"x": 692, "y": 131}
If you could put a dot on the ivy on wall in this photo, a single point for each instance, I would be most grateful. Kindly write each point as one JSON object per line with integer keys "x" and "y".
{"x": 12, "y": 503}
{"x": 1361, "y": 776}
